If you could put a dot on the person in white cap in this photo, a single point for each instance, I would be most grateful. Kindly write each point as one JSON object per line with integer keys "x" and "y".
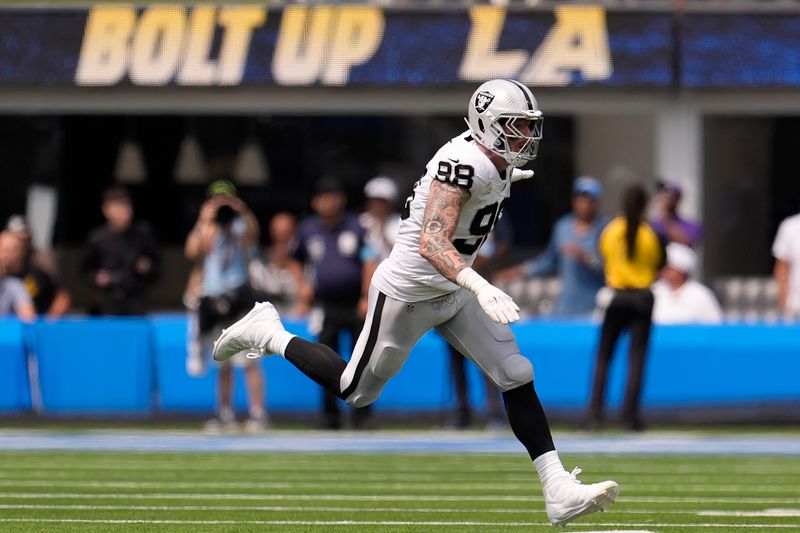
{"x": 380, "y": 219}
{"x": 678, "y": 298}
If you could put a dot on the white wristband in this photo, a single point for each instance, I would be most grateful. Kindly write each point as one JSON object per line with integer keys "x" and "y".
{"x": 471, "y": 280}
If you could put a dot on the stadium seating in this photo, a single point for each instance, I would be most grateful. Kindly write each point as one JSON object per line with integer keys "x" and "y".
{"x": 748, "y": 298}
{"x": 535, "y": 296}
{"x": 743, "y": 298}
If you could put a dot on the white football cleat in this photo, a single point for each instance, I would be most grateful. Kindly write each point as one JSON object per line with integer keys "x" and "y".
{"x": 253, "y": 332}
{"x": 567, "y": 499}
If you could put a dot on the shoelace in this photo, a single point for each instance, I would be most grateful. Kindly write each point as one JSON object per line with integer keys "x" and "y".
{"x": 574, "y": 474}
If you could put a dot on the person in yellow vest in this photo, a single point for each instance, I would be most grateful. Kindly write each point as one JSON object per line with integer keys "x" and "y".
{"x": 633, "y": 255}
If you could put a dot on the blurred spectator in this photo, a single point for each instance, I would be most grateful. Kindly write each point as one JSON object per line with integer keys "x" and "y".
{"x": 223, "y": 242}
{"x": 497, "y": 249}
{"x": 572, "y": 252}
{"x": 666, "y": 221}
{"x": 633, "y": 255}
{"x": 278, "y": 277}
{"x": 380, "y": 219}
{"x": 680, "y": 299}
{"x": 334, "y": 244}
{"x": 14, "y": 299}
{"x": 121, "y": 259}
{"x": 786, "y": 250}
{"x": 50, "y": 298}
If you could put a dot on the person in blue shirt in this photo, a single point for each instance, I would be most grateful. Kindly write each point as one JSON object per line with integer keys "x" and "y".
{"x": 572, "y": 253}
{"x": 222, "y": 244}
{"x": 333, "y": 243}
{"x": 14, "y": 299}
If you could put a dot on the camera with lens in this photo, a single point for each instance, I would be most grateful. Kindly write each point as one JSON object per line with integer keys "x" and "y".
{"x": 225, "y": 215}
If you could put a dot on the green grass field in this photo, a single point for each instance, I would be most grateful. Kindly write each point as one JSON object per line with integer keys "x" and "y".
{"x": 213, "y": 492}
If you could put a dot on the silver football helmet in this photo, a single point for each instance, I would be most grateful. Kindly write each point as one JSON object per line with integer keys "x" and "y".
{"x": 492, "y": 114}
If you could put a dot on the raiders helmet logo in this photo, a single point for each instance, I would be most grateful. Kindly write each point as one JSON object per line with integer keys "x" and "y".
{"x": 482, "y": 101}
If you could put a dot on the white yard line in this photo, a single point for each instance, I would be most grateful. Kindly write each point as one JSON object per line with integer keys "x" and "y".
{"x": 780, "y": 513}
{"x": 362, "y": 510}
{"x": 270, "y": 508}
{"x": 371, "y": 523}
{"x": 267, "y": 465}
{"x": 265, "y": 497}
{"x": 272, "y": 522}
{"x": 513, "y": 480}
{"x": 370, "y": 497}
{"x": 268, "y": 485}
{"x": 315, "y": 484}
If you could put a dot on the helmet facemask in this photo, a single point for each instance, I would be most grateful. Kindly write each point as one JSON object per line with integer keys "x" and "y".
{"x": 507, "y": 135}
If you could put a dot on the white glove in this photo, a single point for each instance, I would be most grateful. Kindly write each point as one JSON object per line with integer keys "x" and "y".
{"x": 497, "y": 304}
{"x": 519, "y": 174}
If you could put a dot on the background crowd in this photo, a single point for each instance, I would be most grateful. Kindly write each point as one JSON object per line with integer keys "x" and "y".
{"x": 626, "y": 272}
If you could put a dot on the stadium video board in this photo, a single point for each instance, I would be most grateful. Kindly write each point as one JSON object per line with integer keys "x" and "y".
{"x": 740, "y": 50}
{"x": 332, "y": 45}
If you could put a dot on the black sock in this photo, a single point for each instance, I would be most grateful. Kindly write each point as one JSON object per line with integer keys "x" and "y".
{"x": 528, "y": 421}
{"x": 318, "y": 362}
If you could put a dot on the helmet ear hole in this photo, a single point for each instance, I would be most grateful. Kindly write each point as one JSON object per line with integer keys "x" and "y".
{"x": 480, "y": 125}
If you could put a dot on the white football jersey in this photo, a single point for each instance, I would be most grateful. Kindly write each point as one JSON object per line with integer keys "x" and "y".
{"x": 406, "y": 275}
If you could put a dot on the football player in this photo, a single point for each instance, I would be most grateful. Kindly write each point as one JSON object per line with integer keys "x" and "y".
{"x": 427, "y": 282}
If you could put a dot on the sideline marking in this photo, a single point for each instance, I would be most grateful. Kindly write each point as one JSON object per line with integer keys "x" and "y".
{"x": 385, "y": 442}
{"x": 269, "y": 522}
{"x": 759, "y": 514}
{"x": 365, "y": 497}
{"x": 311, "y": 484}
{"x": 365, "y": 523}
{"x": 338, "y": 509}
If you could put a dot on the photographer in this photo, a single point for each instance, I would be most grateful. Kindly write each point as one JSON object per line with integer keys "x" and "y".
{"x": 222, "y": 244}
{"x": 121, "y": 259}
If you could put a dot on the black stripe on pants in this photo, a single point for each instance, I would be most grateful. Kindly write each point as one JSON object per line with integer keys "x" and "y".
{"x": 324, "y": 365}
{"x": 369, "y": 347}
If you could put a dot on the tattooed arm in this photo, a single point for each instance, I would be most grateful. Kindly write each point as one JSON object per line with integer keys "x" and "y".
{"x": 439, "y": 225}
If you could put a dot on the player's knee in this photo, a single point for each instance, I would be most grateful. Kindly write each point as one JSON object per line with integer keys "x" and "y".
{"x": 389, "y": 361}
{"x": 364, "y": 396}
{"x": 384, "y": 364}
{"x": 369, "y": 389}
{"x": 361, "y": 400}
{"x": 516, "y": 370}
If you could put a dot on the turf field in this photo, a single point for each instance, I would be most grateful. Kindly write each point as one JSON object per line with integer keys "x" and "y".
{"x": 376, "y": 492}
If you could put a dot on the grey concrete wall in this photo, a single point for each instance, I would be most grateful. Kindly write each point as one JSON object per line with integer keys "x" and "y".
{"x": 616, "y": 149}
{"x": 736, "y": 195}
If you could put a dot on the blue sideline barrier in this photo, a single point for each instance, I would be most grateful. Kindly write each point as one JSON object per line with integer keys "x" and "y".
{"x": 137, "y": 367}
{"x": 419, "y": 386}
{"x": 686, "y": 365}
{"x": 95, "y": 366}
{"x": 15, "y": 392}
